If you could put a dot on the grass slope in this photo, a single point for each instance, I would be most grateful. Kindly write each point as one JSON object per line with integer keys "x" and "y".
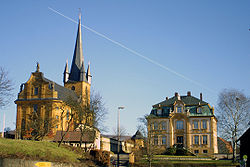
{"x": 36, "y": 150}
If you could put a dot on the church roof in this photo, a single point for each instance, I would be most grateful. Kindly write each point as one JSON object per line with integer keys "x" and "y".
{"x": 63, "y": 93}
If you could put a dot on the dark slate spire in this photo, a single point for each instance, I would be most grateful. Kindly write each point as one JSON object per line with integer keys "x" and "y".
{"x": 82, "y": 74}
{"x": 88, "y": 74}
{"x": 77, "y": 62}
{"x": 66, "y": 73}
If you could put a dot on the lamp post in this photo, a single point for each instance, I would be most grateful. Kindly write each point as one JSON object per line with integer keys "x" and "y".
{"x": 118, "y": 135}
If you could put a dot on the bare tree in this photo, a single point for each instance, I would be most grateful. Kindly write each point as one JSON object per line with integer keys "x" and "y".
{"x": 123, "y": 131}
{"x": 99, "y": 111}
{"x": 69, "y": 117}
{"x": 233, "y": 115}
{"x": 89, "y": 115}
{"x": 6, "y": 87}
{"x": 38, "y": 127}
{"x": 149, "y": 148}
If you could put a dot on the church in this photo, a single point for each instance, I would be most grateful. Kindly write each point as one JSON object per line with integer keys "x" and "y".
{"x": 46, "y": 99}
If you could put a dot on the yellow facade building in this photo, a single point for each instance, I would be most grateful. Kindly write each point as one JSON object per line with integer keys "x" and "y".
{"x": 186, "y": 121}
{"x": 47, "y": 99}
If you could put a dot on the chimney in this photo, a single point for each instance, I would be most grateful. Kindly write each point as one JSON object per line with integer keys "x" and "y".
{"x": 176, "y": 94}
{"x": 166, "y": 98}
{"x": 201, "y": 96}
{"x": 189, "y": 93}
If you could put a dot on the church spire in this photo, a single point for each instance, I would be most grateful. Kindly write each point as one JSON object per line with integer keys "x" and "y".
{"x": 78, "y": 61}
{"x": 88, "y": 74}
{"x": 66, "y": 73}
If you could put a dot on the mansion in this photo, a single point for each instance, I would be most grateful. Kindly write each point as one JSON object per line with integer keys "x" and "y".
{"x": 45, "y": 99}
{"x": 184, "y": 120}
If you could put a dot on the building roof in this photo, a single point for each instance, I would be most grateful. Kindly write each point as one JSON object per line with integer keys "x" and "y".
{"x": 62, "y": 92}
{"x": 191, "y": 105}
{"x": 224, "y": 147}
{"x": 122, "y": 138}
{"x": 137, "y": 135}
{"x": 246, "y": 135}
{"x": 74, "y": 136}
{"x": 188, "y": 100}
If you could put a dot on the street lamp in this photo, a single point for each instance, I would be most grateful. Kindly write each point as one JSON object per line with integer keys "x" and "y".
{"x": 118, "y": 135}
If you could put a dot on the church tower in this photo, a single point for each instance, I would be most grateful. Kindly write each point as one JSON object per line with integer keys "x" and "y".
{"x": 77, "y": 79}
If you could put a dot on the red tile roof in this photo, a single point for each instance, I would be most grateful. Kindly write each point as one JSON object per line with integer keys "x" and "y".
{"x": 74, "y": 136}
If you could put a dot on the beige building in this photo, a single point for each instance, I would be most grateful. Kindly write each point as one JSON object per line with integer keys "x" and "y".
{"x": 184, "y": 120}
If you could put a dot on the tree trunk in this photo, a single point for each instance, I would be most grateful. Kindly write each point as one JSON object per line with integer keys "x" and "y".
{"x": 234, "y": 150}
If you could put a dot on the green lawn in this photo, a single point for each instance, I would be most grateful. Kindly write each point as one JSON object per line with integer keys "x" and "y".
{"x": 37, "y": 150}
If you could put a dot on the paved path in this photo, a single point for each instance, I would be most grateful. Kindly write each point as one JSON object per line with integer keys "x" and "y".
{"x": 124, "y": 160}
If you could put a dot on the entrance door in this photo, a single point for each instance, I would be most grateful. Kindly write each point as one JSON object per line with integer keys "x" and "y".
{"x": 179, "y": 140}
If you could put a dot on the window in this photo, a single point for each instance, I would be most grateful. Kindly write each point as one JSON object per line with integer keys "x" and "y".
{"x": 205, "y": 151}
{"x": 179, "y": 140}
{"x": 204, "y": 124}
{"x": 57, "y": 117}
{"x": 163, "y": 140}
{"x": 36, "y": 91}
{"x": 67, "y": 115}
{"x": 163, "y": 125}
{"x": 196, "y": 139}
{"x": 159, "y": 111}
{"x": 155, "y": 140}
{"x": 179, "y": 109}
{"x": 179, "y": 125}
{"x": 35, "y": 108}
{"x": 196, "y": 151}
{"x": 196, "y": 125}
{"x": 199, "y": 110}
{"x": 152, "y": 126}
{"x": 204, "y": 139}
{"x": 56, "y": 126}
{"x": 155, "y": 125}
{"x": 73, "y": 88}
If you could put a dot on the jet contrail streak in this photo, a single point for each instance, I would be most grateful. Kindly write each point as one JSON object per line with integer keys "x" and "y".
{"x": 136, "y": 53}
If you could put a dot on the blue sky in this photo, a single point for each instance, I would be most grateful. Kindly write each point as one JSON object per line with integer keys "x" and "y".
{"x": 207, "y": 41}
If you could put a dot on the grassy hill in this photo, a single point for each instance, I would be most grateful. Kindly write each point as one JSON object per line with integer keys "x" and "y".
{"x": 38, "y": 150}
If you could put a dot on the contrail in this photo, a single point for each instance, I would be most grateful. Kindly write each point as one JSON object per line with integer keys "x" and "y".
{"x": 135, "y": 53}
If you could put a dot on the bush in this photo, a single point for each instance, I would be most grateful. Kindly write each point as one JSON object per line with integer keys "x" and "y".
{"x": 170, "y": 151}
{"x": 100, "y": 157}
{"x": 181, "y": 151}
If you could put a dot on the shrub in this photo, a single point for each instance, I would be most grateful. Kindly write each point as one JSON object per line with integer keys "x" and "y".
{"x": 170, "y": 151}
{"x": 101, "y": 157}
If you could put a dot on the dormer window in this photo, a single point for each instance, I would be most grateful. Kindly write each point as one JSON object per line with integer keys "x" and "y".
{"x": 179, "y": 109}
{"x": 199, "y": 110}
{"x": 159, "y": 111}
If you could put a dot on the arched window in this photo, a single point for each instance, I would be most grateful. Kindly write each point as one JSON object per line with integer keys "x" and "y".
{"x": 73, "y": 88}
{"x": 179, "y": 109}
